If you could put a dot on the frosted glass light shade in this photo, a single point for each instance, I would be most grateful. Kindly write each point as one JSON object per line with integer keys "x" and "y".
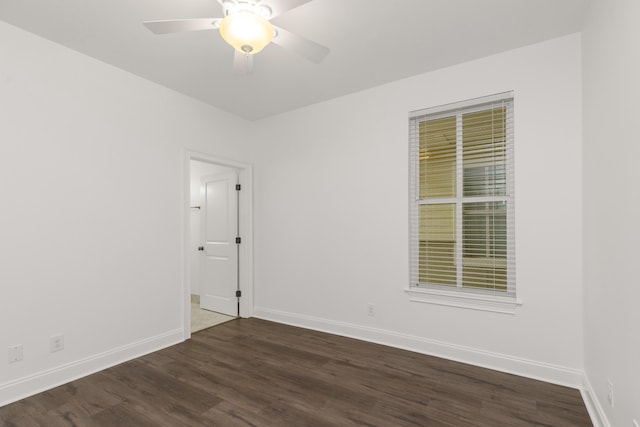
{"x": 246, "y": 31}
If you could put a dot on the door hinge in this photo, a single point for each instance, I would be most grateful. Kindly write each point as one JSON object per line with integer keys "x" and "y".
{"x": 238, "y": 187}
{"x": 238, "y": 294}
{"x": 238, "y": 240}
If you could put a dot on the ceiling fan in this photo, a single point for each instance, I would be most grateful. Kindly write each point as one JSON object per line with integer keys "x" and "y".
{"x": 245, "y": 26}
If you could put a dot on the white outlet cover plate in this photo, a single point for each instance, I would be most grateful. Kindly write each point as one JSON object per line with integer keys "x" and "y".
{"x": 56, "y": 343}
{"x": 15, "y": 353}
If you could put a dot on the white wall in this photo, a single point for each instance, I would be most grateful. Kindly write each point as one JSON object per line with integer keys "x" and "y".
{"x": 332, "y": 216}
{"x": 91, "y": 218}
{"x": 198, "y": 170}
{"x": 91, "y": 223}
{"x": 612, "y": 206}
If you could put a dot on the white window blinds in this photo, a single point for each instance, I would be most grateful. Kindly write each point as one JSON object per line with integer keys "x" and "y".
{"x": 461, "y": 191}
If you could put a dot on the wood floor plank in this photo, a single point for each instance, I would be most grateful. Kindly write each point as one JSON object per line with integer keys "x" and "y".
{"x": 254, "y": 373}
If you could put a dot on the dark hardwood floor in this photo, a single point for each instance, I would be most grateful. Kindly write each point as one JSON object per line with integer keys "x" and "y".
{"x": 250, "y": 372}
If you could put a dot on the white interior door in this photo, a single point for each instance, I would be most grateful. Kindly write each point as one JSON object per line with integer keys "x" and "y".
{"x": 219, "y": 229}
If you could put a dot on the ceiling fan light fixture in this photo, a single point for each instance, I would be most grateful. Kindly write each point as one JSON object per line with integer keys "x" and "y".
{"x": 246, "y": 31}
{"x": 229, "y": 7}
{"x": 264, "y": 11}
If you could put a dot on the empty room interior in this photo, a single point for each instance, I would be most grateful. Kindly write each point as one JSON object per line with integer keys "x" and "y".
{"x": 382, "y": 183}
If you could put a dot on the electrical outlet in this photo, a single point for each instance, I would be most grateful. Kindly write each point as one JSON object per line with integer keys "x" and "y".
{"x": 56, "y": 343}
{"x": 610, "y": 392}
{"x": 15, "y": 353}
{"x": 371, "y": 309}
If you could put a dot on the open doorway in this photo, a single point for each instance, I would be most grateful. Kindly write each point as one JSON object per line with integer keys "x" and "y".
{"x": 217, "y": 242}
{"x": 213, "y": 251}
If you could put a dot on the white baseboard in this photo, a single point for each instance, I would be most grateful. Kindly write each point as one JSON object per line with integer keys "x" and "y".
{"x": 596, "y": 412}
{"x": 27, "y": 386}
{"x": 500, "y": 362}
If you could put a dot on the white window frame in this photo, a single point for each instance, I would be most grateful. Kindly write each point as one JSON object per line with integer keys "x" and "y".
{"x": 478, "y": 299}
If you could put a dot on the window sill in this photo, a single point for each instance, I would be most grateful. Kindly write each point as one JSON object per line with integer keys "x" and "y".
{"x": 493, "y": 303}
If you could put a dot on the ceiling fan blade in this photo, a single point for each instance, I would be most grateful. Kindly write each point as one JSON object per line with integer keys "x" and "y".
{"x": 180, "y": 25}
{"x": 242, "y": 63}
{"x": 280, "y": 6}
{"x": 312, "y": 51}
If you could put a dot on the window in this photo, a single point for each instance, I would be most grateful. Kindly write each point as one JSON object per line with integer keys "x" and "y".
{"x": 462, "y": 206}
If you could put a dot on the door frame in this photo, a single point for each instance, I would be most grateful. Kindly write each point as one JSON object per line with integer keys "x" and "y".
{"x": 245, "y": 225}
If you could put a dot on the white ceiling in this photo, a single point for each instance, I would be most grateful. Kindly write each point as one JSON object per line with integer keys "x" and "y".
{"x": 372, "y": 42}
